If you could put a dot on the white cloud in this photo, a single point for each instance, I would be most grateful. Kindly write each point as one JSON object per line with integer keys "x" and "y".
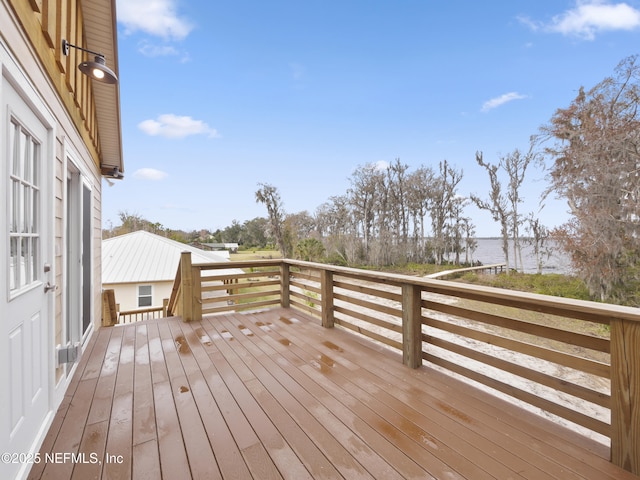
{"x": 381, "y": 165}
{"x": 155, "y": 17}
{"x": 174, "y": 126}
{"x": 532, "y": 24}
{"x": 501, "y": 100}
{"x": 588, "y": 18}
{"x": 149, "y": 50}
{"x": 150, "y": 174}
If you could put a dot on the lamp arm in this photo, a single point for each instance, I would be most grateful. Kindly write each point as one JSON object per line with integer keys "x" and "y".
{"x": 66, "y": 45}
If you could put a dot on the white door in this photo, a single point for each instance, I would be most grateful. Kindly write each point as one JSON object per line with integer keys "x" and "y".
{"x": 26, "y": 272}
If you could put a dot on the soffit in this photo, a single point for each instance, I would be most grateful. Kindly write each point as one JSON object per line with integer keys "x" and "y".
{"x": 101, "y": 36}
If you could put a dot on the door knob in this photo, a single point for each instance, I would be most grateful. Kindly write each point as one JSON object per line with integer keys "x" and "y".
{"x": 50, "y": 288}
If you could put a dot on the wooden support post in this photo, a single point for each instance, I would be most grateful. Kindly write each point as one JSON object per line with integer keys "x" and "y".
{"x": 411, "y": 325}
{"x": 186, "y": 278}
{"x": 625, "y": 394}
{"x": 109, "y": 309}
{"x": 326, "y": 302}
{"x": 165, "y": 307}
{"x": 284, "y": 285}
{"x": 196, "y": 298}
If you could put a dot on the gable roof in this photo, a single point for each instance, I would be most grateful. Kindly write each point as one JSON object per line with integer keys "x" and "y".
{"x": 145, "y": 257}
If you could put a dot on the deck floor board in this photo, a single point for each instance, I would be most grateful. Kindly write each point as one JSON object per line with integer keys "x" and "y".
{"x": 443, "y": 428}
{"x": 272, "y": 394}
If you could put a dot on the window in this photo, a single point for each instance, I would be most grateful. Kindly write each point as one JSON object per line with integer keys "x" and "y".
{"x": 144, "y": 296}
{"x": 24, "y": 210}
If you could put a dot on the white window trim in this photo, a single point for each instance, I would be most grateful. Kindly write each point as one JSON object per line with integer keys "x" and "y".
{"x": 138, "y": 296}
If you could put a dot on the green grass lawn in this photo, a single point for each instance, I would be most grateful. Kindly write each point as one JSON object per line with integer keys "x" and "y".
{"x": 245, "y": 255}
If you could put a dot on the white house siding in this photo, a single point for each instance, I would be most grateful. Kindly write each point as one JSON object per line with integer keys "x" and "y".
{"x": 18, "y": 61}
{"x": 127, "y": 293}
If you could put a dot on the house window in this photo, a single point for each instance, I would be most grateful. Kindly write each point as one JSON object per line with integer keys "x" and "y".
{"x": 24, "y": 207}
{"x": 144, "y": 296}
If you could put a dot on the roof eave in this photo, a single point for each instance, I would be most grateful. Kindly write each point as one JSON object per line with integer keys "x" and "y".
{"x": 101, "y": 36}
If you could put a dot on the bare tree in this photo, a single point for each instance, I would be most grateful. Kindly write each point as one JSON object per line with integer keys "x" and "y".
{"x": 497, "y": 205}
{"x": 365, "y": 185}
{"x": 515, "y": 164}
{"x": 420, "y": 190}
{"x": 397, "y": 184}
{"x": 302, "y": 225}
{"x": 538, "y": 237}
{"x": 596, "y": 168}
{"x": 470, "y": 241}
{"x": 442, "y": 204}
{"x": 334, "y": 223}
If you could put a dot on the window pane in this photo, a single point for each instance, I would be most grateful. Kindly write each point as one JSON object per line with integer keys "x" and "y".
{"x": 20, "y": 148}
{"x": 35, "y": 258}
{"x": 35, "y": 169}
{"x": 26, "y": 156}
{"x": 26, "y": 225}
{"x": 15, "y": 203}
{"x": 144, "y": 296}
{"x": 14, "y": 265}
{"x": 15, "y": 149}
{"x": 144, "y": 301}
{"x": 35, "y": 210}
{"x": 26, "y": 258}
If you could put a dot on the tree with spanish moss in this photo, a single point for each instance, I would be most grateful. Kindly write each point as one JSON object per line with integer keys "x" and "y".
{"x": 270, "y": 197}
{"x": 593, "y": 149}
{"x": 497, "y": 204}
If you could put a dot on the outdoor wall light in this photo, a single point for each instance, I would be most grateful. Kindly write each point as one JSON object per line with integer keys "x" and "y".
{"x": 111, "y": 172}
{"x": 97, "y": 69}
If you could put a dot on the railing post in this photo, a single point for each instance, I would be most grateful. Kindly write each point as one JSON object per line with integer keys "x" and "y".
{"x": 196, "y": 298}
{"x": 411, "y": 325}
{"x": 165, "y": 307}
{"x": 284, "y": 285}
{"x": 625, "y": 394}
{"x": 109, "y": 310}
{"x": 326, "y": 301}
{"x": 186, "y": 278}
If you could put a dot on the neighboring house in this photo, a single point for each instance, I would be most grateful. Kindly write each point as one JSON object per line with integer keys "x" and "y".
{"x": 59, "y": 134}
{"x": 231, "y": 247}
{"x": 140, "y": 267}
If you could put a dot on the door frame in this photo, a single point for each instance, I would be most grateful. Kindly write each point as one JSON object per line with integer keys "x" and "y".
{"x": 76, "y": 180}
{"x": 30, "y": 98}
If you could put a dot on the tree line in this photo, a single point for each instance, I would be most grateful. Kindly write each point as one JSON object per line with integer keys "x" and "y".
{"x": 393, "y": 214}
{"x": 590, "y": 151}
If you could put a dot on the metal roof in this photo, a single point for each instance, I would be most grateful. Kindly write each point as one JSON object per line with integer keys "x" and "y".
{"x": 145, "y": 257}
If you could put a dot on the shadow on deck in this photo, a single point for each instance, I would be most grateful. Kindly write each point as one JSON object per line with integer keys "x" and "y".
{"x": 272, "y": 394}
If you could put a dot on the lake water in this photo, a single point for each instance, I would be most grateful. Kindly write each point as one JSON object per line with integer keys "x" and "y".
{"x": 490, "y": 251}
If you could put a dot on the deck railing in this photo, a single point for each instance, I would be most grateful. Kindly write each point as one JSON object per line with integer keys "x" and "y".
{"x": 140, "y": 314}
{"x": 112, "y": 315}
{"x": 577, "y": 360}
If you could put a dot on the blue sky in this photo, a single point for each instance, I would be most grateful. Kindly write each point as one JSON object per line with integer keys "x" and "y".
{"x": 217, "y": 96}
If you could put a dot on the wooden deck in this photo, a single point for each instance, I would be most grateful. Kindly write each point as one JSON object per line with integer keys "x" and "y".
{"x": 274, "y": 395}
